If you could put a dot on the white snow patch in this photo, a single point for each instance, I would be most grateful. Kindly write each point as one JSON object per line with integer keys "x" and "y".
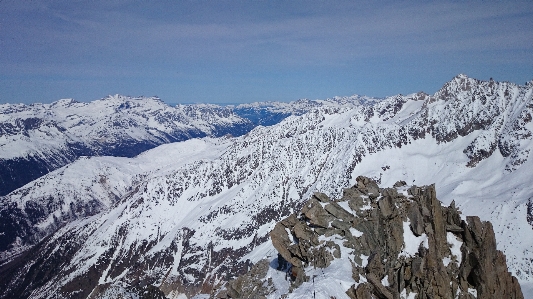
{"x": 344, "y": 205}
{"x": 527, "y": 289}
{"x": 412, "y": 242}
{"x": 364, "y": 258}
{"x": 385, "y": 281}
{"x": 455, "y": 247}
{"x": 473, "y": 292}
{"x": 355, "y": 232}
{"x": 280, "y": 280}
{"x": 291, "y": 236}
{"x": 446, "y": 261}
{"x": 366, "y": 207}
{"x": 334, "y": 281}
{"x": 403, "y": 295}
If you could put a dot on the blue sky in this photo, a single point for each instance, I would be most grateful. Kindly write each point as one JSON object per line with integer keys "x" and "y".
{"x": 245, "y": 51}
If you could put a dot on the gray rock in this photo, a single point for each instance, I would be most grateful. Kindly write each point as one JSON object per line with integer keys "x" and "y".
{"x": 341, "y": 225}
{"x": 251, "y": 284}
{"x": 321, "y": 197}
{"x": 379, "y": 289}
{"x": 337, "y": 211}
{"x": 316, "y": 214}
{"x": 454, "y": 228}
{"x": 385, "y": 206}
{"x": 416, "y": 221}
{"x": 399, "y": 184}
{"x": 304, "y": 232}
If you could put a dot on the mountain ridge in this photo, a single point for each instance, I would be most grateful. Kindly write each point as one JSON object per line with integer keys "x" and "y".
{"x": 208, "y": 219}
{"x": 38, "y": 138}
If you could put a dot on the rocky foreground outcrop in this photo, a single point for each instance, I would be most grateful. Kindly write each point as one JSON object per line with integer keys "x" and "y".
{"x": 400, "y": 242}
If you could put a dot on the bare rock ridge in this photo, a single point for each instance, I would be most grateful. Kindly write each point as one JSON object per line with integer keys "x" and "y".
{"x": 399, "y": 241}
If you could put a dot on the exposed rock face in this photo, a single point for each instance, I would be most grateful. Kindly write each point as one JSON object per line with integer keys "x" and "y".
{"x": 400, "y": 242}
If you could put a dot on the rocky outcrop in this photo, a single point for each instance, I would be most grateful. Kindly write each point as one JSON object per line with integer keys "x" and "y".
{"x": 400, "y": 241}
{"x": 249, "y": 285}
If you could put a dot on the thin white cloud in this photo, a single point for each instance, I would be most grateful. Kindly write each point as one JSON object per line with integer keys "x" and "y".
{"x": 393, "y": 29}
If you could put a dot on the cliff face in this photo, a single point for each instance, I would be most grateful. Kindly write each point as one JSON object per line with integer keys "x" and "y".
{"x": 395, "y": 242}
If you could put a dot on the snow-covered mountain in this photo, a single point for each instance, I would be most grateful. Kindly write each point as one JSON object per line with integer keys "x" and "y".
{"x": 185, "y": 217}
{"x": 271, "y": 113}
{"x": 36, "y": 139}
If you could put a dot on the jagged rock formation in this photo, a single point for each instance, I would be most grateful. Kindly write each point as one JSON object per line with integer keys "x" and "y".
{"x": 399, "y": 241}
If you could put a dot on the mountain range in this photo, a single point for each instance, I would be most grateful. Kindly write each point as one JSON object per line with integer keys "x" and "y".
{"x": 183, "y": 218}
{"x": 38, "y": 138}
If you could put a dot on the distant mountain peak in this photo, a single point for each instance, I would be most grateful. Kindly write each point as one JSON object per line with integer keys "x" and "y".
{"x": 119, "y": 97}
{"x": 65, "y": 102}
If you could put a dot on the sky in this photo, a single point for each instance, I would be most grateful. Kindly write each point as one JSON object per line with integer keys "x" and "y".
{"x": 245, "y": 51}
